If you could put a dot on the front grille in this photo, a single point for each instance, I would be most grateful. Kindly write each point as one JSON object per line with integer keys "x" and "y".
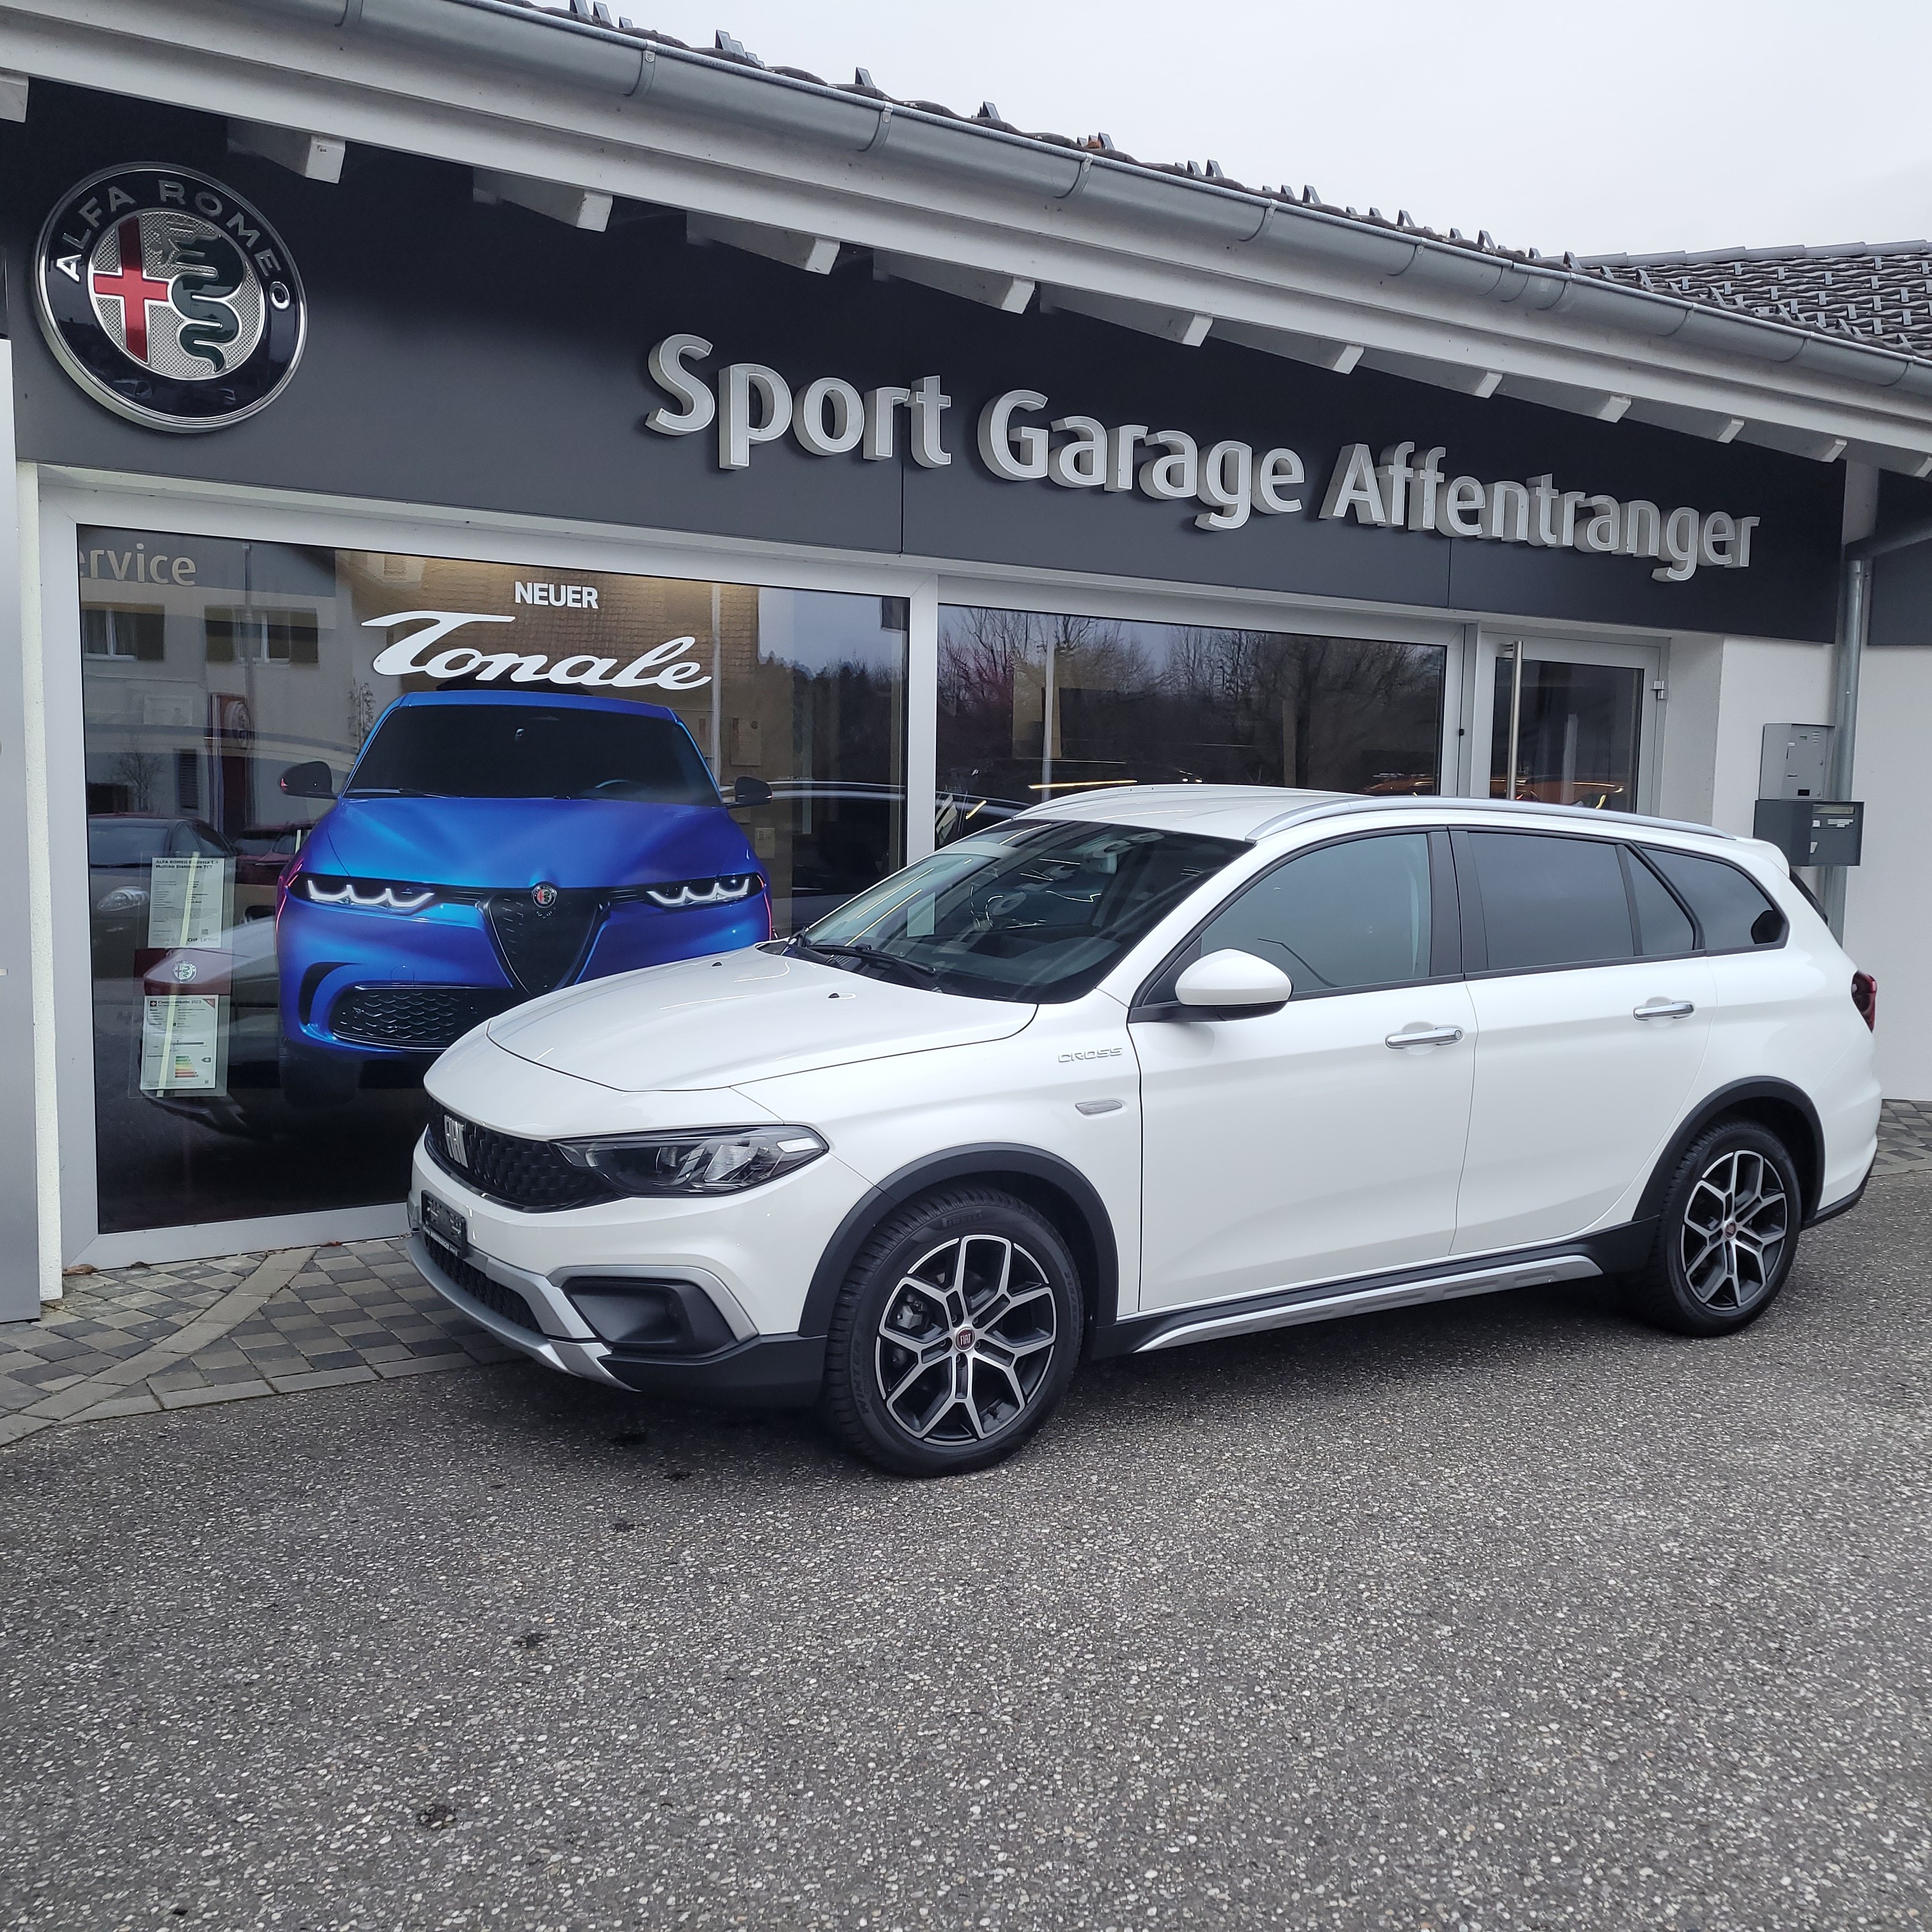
{"x": 529, "y": 1174}
{"x": 542, "y": 946}
{"x": 425, "y": 1018}
{"x": 481, "y": 1287}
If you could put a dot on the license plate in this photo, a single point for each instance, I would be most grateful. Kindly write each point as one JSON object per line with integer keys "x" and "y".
{"x": 442, "y": 1223}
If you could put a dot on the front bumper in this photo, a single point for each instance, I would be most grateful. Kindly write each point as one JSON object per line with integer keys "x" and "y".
{"x": 534, "y": 1314}
{"x": 343, "y": 970}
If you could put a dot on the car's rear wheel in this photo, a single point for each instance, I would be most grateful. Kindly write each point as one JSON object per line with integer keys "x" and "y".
{"x": 955, "y": 1336}
{"x": 1727, "y": 1234}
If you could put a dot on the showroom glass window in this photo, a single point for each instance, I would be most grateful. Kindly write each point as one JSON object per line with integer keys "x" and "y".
{"x": 1031, "y": 705}
{"x": 210, "y": 667}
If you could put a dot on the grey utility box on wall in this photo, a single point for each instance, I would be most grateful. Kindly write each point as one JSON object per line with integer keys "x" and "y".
{"x": 1813, "y": 831}
{"x": 1795, "y": 761}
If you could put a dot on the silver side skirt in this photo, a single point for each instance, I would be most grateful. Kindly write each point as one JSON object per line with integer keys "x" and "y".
{"x": 1360, "y": 1300}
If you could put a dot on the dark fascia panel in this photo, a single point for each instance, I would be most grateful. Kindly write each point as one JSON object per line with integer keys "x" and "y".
{"x": 607, "y": 61}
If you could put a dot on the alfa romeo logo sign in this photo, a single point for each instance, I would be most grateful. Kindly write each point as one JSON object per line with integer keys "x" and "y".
{"x": 168, "y": 298}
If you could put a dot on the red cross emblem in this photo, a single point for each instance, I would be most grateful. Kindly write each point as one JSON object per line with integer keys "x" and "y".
{"x": 135, "y": 287}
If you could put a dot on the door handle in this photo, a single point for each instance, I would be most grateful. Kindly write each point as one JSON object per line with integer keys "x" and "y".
{"x": 1426, "y": 1037}
{"x": 1663, "y": 1009}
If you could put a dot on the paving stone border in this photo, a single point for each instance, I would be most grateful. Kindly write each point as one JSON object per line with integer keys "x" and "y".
{"x": 139, "y": 1340}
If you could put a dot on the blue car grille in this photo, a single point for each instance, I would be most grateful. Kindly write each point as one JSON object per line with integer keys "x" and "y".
{"x": 423, "y": 1018}
{"x": 543, "y": 947}
{"x": 531, "y": 1175}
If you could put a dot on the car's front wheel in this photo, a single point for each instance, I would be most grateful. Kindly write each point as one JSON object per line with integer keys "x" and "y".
{"x": 1727, "y": 1234}
{"x": 955, "y": 1336}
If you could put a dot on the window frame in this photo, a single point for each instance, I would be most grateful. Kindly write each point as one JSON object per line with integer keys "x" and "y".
{"x": 1155, "y": 1000}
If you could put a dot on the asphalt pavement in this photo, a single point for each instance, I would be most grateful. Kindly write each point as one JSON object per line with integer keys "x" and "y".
{"x": 1504, "y": 1614}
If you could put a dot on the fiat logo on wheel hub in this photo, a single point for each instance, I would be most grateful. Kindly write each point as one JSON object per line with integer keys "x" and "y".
{"x": 168, "y": 298}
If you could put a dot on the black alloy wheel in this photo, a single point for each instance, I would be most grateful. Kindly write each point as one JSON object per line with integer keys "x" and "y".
{"x": 1727, "y": 1234}
{"x": 955, "y": 1336}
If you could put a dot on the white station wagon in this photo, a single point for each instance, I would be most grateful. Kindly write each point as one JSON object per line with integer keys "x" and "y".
{"x": 1137, "y": 1068}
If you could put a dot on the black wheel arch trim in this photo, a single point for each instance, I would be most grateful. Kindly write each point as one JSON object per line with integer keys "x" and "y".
{"x": 1733, "y": 1098}
{"x": 985, "y": 1162}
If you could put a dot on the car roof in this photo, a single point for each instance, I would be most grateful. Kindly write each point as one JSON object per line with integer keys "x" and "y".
{"x": 1252, "y": 812}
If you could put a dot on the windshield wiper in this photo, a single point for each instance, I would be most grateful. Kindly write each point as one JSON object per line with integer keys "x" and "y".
{"x": 875, "y": 956}
{"x": 388, "y": 791}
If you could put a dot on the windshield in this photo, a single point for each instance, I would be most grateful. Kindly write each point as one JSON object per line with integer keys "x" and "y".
{"x": 1027, "y": 911}
{"x": 532, "y": 751}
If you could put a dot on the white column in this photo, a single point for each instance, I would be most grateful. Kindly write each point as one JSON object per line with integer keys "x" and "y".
{"x": 29, "y": 1247}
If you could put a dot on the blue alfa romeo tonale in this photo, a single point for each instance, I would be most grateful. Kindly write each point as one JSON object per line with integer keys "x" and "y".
{"x": 488, "y": 847}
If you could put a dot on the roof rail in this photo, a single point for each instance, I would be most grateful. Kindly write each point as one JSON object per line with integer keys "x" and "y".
{"x": 1594, "y": 815}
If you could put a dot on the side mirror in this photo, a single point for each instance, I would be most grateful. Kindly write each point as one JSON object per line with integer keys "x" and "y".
{"x": 751, "y": 791}
{"x": 1230, "y": 984}
{"x": 313, "y": 780}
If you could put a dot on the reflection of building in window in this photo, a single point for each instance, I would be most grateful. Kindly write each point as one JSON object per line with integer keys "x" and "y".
{"x": 133, "y": 634}
{"x": 1032, "y": 705}
{"x": 237, "y": 635}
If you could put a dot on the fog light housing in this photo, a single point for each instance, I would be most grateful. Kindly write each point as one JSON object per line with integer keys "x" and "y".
{"x": 674, "y": 1318}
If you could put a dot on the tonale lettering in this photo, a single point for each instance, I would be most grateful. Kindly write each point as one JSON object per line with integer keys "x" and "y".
{"x": 665, "y": 667}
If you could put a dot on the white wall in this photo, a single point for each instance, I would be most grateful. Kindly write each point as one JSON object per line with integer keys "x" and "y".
{"x": 1763, "y": 684}
{"x": 1693, "y": 677}
{"x": 1723, "y": 692}
{"x": 1888, "y": 898}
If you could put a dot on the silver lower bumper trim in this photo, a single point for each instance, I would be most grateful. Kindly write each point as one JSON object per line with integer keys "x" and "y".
{"x": 582, "y": 1359}
{"x": 1360, "y": 1301}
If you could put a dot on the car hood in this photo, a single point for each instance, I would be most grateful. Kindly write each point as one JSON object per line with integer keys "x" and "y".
{"x": 525, "y": 841}
{"x": 736, "y": 1016}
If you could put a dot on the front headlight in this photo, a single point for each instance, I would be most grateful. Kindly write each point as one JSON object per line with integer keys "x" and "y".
{"x": 712, "y": 1160}
{"x": 122, "y": 899}
{"x": 365, "y": 894}
{"x": 722, "y": 891}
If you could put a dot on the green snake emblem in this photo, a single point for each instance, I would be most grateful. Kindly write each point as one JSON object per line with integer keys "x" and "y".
{"x": 210, "y": 267}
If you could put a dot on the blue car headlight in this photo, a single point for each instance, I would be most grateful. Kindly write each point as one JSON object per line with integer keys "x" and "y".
{"x": 722, "y": 890}
{"x": 365, "y": 894}
{"x": 711, "y": 1160}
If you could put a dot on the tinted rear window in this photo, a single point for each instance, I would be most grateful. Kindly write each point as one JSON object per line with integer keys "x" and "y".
{"x": 1549, "y": 901}
{"x": 1731, "y": 908}
{"x": 532, "y": 751}
{"x": 1662, "y": 926}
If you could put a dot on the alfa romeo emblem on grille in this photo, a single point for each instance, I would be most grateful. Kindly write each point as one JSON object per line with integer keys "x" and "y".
{"x": 452, "y": 1138}
{"x": 543, "y": 897}
{"x": 168, "y": 298}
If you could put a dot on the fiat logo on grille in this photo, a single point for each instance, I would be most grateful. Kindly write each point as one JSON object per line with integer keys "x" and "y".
{"x": 543, "y": 897}
{"x": 452, "y": 1138}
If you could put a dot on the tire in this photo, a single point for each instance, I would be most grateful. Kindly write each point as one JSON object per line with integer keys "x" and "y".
{"x": 1727, "y": 1236}
{"x": 955, "y": 1336}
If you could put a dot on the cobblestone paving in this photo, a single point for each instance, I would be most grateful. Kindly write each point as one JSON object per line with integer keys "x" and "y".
{"x": 126, "y": 1340}
{"x": 129, "y": 1339}
{"x": 1904, "y": 1138}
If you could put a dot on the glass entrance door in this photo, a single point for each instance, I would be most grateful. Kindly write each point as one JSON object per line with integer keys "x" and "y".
{"x": 1565, "y": 732}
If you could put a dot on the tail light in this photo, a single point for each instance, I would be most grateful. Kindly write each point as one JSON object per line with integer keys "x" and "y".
{"x": 1864, "y": 997}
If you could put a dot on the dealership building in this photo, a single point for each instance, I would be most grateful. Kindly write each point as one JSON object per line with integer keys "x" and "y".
{"x": 919, "y": 466}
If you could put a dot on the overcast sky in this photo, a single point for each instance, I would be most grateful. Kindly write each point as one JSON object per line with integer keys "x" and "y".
{"x": 1636, "y": 125}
